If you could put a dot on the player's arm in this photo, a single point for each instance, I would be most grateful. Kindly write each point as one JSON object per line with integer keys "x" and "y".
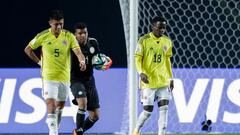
{"x": 81, "y": 58}
{"x": 169, "y": 66}
{"x": 30, "y": 53}
{"x": 96, "y": 45}
{"x": 139, "y": 60}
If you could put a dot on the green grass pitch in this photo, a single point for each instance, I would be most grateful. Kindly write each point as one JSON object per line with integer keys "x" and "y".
{"x": 120, "y": 134}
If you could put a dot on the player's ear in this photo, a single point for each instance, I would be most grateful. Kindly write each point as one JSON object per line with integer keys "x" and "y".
{"x": 49, "y": 22}
{"x": 151, "y": 26}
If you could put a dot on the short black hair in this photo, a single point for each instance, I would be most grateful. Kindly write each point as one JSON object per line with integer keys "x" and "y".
{"x": 56, "y": 14}
{"x": 158, "y": 19}
{"x": 80, "y": 25}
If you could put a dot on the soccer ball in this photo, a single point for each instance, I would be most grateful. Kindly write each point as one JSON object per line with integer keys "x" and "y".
{"x": 99, "y": 59}
{"x": 101, "y": 62}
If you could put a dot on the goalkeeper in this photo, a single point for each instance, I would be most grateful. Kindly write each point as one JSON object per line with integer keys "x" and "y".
{"x": 153, "y": 64}
{"x": 83, "y": 83}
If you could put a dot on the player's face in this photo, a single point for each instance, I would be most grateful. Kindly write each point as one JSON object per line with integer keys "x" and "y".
{"x": 81, "y": 36}
{"x": 159, "y": 28}
{"x": 56, "y": 26}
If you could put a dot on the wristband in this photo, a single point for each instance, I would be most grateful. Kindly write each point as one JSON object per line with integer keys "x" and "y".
{"x": 83, "y": 62}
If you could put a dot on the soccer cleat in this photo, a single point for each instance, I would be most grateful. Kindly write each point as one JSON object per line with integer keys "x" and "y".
{"x": 76, "y": 132}
{"x": 134, "y": 133}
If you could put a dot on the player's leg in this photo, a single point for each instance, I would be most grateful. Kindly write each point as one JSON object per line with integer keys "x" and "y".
{"x": 163, "y": 100}
{"x": 59, "y": 110}
{"x": 50, "y": 92}
{"x": 78, "y": 91}
{"x": 91, "y": 119}
{"x": 64, "y": 89}
{"x": 147, "y": 99}
{"x": 92, "y": 105}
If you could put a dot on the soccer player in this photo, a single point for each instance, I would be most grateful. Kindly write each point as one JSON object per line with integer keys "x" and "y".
{"x": 83, "y": 83}
{"x": 152, "y": 57}
{"x": 56, "y": 44}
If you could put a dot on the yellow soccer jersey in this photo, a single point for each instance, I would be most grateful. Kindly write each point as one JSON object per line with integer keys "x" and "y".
{"x": 152, "y": 57}
{"x": 55, "y": 54}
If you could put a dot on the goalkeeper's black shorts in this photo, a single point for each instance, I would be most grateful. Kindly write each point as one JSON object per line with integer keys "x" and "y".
{"x": 86, "y": 88}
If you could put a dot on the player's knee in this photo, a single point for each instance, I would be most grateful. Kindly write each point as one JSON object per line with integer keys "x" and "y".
{"x": 148, "y": 108}
{"x": 94, "y": 117}
{"x": 51, "y": 107}
{"x": 82, "y": 104}
{"x": 163, "y": 103}
{"x": 60, "y": 105}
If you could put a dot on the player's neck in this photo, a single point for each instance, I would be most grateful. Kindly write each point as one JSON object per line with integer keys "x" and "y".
{"x": 156, "y": 36}
{"x": 56, "y": 34}
{"x": 82, "y": 44}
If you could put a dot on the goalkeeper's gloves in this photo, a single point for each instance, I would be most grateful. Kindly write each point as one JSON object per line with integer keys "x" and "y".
{"x": 107, "y": 65}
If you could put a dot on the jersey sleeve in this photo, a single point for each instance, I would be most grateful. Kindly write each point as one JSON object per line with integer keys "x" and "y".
{"x": 74, "y": 43}
{"x": 139, "y": 55}
{"x": 169, "y": 67}
{"x": 169, "y": 51}
{"x": 96, "y": 46}
{"x": 36, "y": 42}
{"x": 168, "y": 60}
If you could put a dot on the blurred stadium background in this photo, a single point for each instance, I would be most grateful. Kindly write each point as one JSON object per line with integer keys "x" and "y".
{"x": 206, "y": 64}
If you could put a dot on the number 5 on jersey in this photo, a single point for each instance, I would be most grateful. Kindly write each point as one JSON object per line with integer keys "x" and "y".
{"x": 56, "y": 52}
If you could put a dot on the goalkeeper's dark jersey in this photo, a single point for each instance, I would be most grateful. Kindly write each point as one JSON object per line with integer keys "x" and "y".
{"x": 88, "y": 50}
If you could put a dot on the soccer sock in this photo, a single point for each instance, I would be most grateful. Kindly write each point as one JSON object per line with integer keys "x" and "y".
{"x": 80, "y": 120}
{"x": 141, "y": 120}
{"x": 59, "y": 115}
{"x": 52, "y": 124}
{"x": 88, "y": 123}
{"x": 162, "y": 121}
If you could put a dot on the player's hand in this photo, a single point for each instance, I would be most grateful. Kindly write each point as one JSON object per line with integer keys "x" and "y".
{"x": 171, "y": 85}
{"x": 144, "y": 78}
{"x": 82, "y": 66}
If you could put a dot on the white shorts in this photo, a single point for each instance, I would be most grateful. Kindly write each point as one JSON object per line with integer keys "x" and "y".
{"x": 148, "y": 96}
{"x": 56, "y": 90}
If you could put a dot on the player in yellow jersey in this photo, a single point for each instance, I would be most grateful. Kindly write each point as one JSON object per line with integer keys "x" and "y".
{"x": 153, "y": 64}
{"x": 56, "y": 45}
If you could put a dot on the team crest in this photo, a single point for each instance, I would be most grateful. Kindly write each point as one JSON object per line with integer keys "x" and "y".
{"x": 92, "y": 50}
{"x": 64, "y": 42}
{"x": 80, "y": 93}
{"x": 165, "y": 48}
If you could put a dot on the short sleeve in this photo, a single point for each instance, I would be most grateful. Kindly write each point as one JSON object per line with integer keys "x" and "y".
{"x": 36, "y": 42}
{"x": 169, "y": 51}
{"x": 74, "y": 42}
